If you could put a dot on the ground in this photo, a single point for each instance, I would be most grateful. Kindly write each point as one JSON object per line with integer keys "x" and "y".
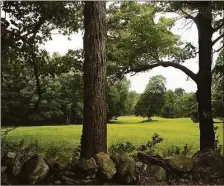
{"x": 175, "y": 132}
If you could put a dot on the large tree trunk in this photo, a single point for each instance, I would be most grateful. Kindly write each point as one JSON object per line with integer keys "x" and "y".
{"x": 94, "y": 134}
{"x": 203, "y": 21}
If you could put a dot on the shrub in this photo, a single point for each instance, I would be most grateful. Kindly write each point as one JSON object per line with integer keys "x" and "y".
{"x": 122, "y": 148}
{"x": 151, "y": 146}
{"x": 178, "y": 150}
{"x": 23, "y": 146}
{"x": 76, "y": 154}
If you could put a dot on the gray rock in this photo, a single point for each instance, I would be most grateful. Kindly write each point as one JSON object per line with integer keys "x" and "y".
{"x": 125, "y": 168}
{"x": 180, "y": 162}
{"x": 17, "y": 167}
{"x": 69, "y": 174}
{"x": 158, "y": 172}
{"x": 208, "y": 165}
{"x": 61, "y": 165}
{"x": 91, "y": 177}
{"x": 139, "y": 164}
{"x": 11, "y": 155}
{"x": 8, "y": 159}
{"x": 86, "y": 182}
{"x": 187, "y": 176}
{"x": 68, "y": 180}
{"x": 87, "y": 167}
{"x": 140, "y": 167}
{"x": 106, "y": 166}
{"x": 149, "y": 181}
{"x": 58, "y": 182}
{"x": 144, "y": 167}
{"x": 108, "y": 183}
{"x": 19, "y": 161}
{"x": 33, "y": 170}
{"x": 4, "y": 179}
{"x": 3, "y": 169}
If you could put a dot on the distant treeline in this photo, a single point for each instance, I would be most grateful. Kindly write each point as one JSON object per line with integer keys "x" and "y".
{"x": 61, "y": 98}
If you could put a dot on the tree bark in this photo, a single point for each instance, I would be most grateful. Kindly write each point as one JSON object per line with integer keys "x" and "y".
{"x": 204, "y": 78}
{"x": 94, "y": 134}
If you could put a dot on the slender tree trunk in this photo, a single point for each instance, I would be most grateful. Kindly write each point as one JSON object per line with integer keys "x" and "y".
{"x": 203, "y": 21}
{"x": 94, "y": 134}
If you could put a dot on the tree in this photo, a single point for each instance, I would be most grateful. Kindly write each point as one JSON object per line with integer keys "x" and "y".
{"x": 168, "y": 109}
{"x": 206, "y": 25}
{"x": 117, "y": 96}
{"x": 142, "y": 45}
{"x": 61, "y": 86}
{"x": 189, "y": 107}
{"x": 218, "y": 87}
{"x": 94, "y": 134}
{"x": 152, "y": 100}
{"x": 179, "y": 93}
{"x": 25, "y": 28}
{"x": 131, "y": 102}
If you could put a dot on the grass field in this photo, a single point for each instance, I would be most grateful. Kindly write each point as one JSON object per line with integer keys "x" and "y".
{"x": 176, "y": 132}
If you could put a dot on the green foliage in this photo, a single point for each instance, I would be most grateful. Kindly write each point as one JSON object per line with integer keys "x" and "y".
{"x": 218, "y": 146}
{"x": 173, "y": 150}
{"x": 180, "y": 104}
{"x": 25, "y": 28}
{"x": 136, "y": 39}
{"x": 61, "y": 92}
{"x": 152, "y": 100}
{"x": 151, "y": 146}
{"x": 122, "y": 148}
{"x": 169, "y": 107}
{"x": 169, "y": 104}
{"x": 131, "y": 101}
{"x": 218, "y": 87}
{"x": 76, "y": 154}
{"x": 24, "y": 146}
{"x": 117, "y": 95}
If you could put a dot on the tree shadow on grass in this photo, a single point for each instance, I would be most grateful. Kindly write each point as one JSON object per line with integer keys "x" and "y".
{"x": 132, "y": 122}
{"x": 120, "y": 122}
{"x": 149, "y": 121}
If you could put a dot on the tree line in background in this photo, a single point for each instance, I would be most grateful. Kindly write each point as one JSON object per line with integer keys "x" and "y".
{"x": 62, "y": 93}
{"x": 156, "y": 100}
{"x": 62, "y": 100}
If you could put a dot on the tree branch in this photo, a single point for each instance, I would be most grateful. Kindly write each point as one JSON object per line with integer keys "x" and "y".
{"x": 5, "y": 132}
{"x": 218, "y": 50}
{"x": 143, "y": 68}
{"x": 219, "y": 26}
{"x": 188, "y": 16}
{"x": 217, "y": 39}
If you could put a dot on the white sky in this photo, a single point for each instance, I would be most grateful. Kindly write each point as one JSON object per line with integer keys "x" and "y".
{"x": 175, "y": 78}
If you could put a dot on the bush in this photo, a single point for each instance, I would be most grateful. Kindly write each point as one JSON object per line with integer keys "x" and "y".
{"x": 76, "y": 154}
{"x": 122, "y": 148}
{"x": 178, "y": 150}
{"x": 24, "y": 145}
{"x": 151, "y": 146}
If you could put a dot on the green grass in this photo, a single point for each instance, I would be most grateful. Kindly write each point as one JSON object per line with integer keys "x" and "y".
{"x": 176, "y": 132}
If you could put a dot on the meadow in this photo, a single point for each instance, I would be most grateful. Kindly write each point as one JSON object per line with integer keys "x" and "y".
{"x": 175, "y": 132}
